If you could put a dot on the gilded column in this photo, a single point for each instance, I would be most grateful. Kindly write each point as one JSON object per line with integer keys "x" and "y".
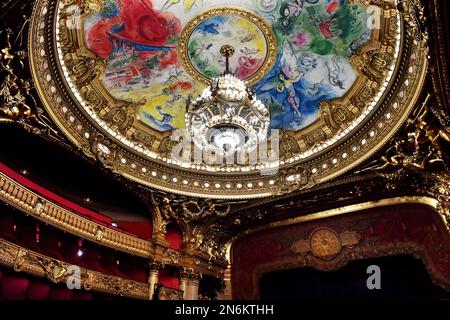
{"x": 153, "y": 278}
{"x": 189, "y": 283}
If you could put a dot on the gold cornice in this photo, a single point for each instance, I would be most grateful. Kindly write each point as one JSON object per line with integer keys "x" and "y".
{"x": 30, "y": 262}
{"x": 354, "y": 208}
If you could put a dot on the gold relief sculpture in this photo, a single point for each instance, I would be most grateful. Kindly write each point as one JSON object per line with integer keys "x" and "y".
{"x": 86, "y": 6}
{"x": 337, "y": 117}
{"x": 420, "y": 148}
{"x": 289, "y": 146}
{"x": 16, "y": 102}
{"x": 414, "y": 16}
{"x": 99, "y": 233}
{"x": 120, "y": 287}
{"x": 164, "y": 293}
{"x": 374, "y": 64}
{"x": 20, "y": 260}
{"x": 171, "y": 256}
{"x": 54, "y": 270}
{"x": 121, "y": 118}
{"x": 92, "y": 97}
{"x": 326, "y": 243}
{"x": 83, "y": 69}
{"x": 88, "y": 281}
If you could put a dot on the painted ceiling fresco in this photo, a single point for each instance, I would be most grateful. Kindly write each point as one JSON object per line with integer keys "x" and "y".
{"x": 315, "y": 38}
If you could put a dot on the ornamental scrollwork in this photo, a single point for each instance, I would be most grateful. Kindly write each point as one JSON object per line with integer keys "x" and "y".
{"x": 85, "y": 7}
{"x": 17, "y": 104}
{"x": 84, "y": 69}
{"x": 421, "y": 147}
{"x": 325, "y": 243}
{"x": 54, "y": 270}
{"x": 171, "y": 256}
{"x": 414, "y": 16}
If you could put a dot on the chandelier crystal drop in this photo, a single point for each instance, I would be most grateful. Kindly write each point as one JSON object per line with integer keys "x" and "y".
{"x": 227, "y": 117}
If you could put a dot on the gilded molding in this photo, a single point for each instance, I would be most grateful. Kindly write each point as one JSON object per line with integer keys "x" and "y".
{"x": 25, "y": 200}
{"x": 30, "y": 203}
{"x": 23, "y": 260}
{"x": 354, "y": 208}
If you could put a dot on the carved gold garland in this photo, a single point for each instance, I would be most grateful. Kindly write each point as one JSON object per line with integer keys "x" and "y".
{"x": 23, "y": 260}
{"x": 95, "y": 141}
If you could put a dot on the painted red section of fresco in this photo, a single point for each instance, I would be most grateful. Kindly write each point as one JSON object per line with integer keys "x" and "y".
{"x": 141, "y": 24}
{"x": 416, "y": 224}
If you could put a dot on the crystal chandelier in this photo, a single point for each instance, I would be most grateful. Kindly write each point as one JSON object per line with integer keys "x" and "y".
{"x": 227, "y": 117}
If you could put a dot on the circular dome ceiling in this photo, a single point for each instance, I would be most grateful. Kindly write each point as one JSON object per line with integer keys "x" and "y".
{"x": 338, "y": 77}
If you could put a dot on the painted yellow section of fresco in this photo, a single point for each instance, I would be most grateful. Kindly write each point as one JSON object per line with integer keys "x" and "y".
{"x": 152, "y": 101}
{"x": 258, "y": 41}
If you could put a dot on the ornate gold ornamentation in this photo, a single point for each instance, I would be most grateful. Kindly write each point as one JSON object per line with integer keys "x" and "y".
{"x": 84, "y": 69}
{"x": 86, "y": 7}
{"x": 54, "y": 270}
{"x": 337, "y": 117}
{"x": 17, "y": 104}
{"x": 171, "y": 257}
{"x": 164, "y": 293}
{"x": 420, "y": 148}
{"x": 189, "y": 273}
{"x": 325, "y": 243}
{"x": 26, "y": 201}
{"x": 22, "y": 260}
{"x": 270, "y": 38}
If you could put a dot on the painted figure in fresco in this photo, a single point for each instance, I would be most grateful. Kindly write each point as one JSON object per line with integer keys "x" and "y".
{"x": 164, "y": 123}
{"x": 187, "y": 4}
{"x": 315, "y": 38}
{"x": 291, "y": 73}
{"x": 335, "y": 73}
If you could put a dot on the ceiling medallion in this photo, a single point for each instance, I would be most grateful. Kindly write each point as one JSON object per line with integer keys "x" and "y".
{"x": 118, "y": 86}
{"x": 227, "y": 119}
{"x": 247, "y": 33}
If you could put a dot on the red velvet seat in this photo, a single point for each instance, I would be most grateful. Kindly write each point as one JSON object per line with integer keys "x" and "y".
{"x": 81, "y": 295}
{"x": 14, "y": 288}
{"x": 38, "y": 291}
{"x": 60, "y": 293}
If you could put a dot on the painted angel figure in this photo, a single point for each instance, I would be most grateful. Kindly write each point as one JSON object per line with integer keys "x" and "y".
{"x": 291, "y": 74}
